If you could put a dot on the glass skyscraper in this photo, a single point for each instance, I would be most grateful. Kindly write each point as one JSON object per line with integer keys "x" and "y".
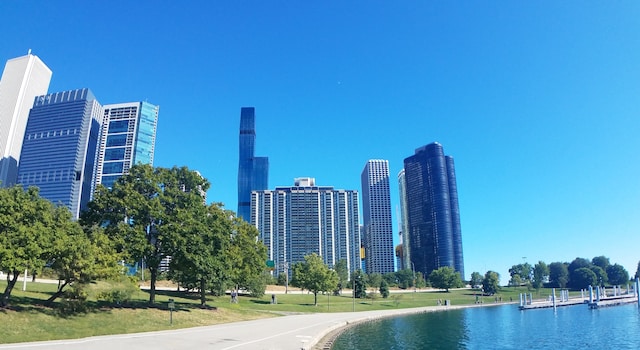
{"x": 22, "y": 80}
{"x": 128, "y": 137}
{"x": 59, "y": 150}
{"x": 253, "y": 172}
{"x": 376, "y": 207}
{"x": 296, "y": 221}
{"x": 435, "y": 238}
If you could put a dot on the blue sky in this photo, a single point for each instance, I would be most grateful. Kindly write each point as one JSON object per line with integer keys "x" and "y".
{"x": 538, "y": 102}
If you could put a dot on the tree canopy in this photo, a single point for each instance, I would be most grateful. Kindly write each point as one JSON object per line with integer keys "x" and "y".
{"x": 445, "y": 278}
{"x": 491, "y": 283}
{"x": 314, "y": 275}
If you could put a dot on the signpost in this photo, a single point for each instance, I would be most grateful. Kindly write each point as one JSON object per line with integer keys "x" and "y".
{"x": 172, "y": 306}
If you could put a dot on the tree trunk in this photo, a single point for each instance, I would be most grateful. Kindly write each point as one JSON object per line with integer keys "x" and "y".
{"x": 57, "y": 294}
{"x": 7, "y": 291}
{"x": 315, "y": 298}
{"x": 203, "y": 299}
{"x": 152, "y": 281}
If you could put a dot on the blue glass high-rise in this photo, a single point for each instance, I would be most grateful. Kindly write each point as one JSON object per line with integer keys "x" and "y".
{"x": 435, "y": 238}
{"x": 59, "y": 150}
{"x": 253, "y": 172}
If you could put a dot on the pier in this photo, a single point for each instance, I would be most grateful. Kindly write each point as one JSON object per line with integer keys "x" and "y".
{"x": 595, "y": 298}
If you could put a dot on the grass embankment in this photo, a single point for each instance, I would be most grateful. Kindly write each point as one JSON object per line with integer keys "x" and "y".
{"x": 27, "y": 320}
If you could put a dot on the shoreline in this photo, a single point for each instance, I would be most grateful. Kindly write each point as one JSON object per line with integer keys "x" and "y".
{"x": 327, "y": 337}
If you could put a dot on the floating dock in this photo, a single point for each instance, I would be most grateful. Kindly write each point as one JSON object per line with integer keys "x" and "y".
{"x": 601, "y": 298}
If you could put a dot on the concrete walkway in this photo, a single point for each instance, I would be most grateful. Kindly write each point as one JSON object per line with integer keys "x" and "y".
{"x": 286, "y": 332}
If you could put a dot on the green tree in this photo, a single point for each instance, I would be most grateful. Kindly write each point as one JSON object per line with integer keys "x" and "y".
{"x": 491, "y": 283}
{"x": 27, "y": 224}
{"x": 405, "y": 278}
{"x": 515, "y": 280}
{"x": 558, "y": 274}
{"x": 618, "y": 275}
{"x": 248, "y": 257}
{"x": 373, "y": 280}
{"x": 445, "y": 278}
{"x": 420, "y": 281}
{"x": 314, "y": 276}
{"x": 359, "y": 280}
{"x": 343, "y": 275}
{"x": 78, "y": 257}
{"x": 384, "y": 288}
{"x": 601, "y": 275}
{"x": 583, "y": 278}
{"x": 525, "y": 271}
{"x": 601, "y": 261}
{"x": 476, "y": 280}
{"x": 540, "y": 274}
{"x": 200, "y": 256}
{"x": 142, "y": 213}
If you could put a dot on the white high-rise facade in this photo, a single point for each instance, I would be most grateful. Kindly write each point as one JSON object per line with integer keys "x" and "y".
{"x": 22, "y": 80}
{"x": 304, "y": 219}
{"x": 376, "y": 207}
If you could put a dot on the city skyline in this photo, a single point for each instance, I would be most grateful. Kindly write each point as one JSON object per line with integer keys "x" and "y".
{"x": 536, "y": 101}
{"x": 253, "y": 172}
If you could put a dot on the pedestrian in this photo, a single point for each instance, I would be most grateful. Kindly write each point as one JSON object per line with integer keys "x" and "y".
{"x": 273, "y": 299}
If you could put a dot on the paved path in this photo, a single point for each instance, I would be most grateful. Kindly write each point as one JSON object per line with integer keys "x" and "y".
{"x": 287, "y": 332}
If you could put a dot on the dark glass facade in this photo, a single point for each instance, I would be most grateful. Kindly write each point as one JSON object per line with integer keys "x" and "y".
{"x": 435, "y": 238}
{"x": 253, "y": 172}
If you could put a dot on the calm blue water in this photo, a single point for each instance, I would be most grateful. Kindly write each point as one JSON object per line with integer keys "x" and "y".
{"x": 501, "y": 327}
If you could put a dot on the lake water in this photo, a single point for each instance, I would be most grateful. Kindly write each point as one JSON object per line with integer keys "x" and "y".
{"x": 501, "y": 327}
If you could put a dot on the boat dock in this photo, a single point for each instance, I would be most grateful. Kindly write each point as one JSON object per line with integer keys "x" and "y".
{"x": 595, "y": 298}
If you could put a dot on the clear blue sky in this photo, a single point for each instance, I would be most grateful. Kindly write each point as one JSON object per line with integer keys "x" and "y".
{"x": 538, "y": 102}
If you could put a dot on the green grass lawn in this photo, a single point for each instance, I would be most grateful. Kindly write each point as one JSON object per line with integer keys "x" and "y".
{"x": 27, "y": 319}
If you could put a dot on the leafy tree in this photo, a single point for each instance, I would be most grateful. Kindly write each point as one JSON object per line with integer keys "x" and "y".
{"x": 476, "y": 280}
{"x": 142, "y": 213}
{"x": 373, "y": 280}
{"x": 601, "y": 261}
{"x": 200, "y": 256}
{"x": 558, "y": 274}
{"x": 637, "y": 275}
{"x": 578, "y": 263}
{"x": 248, "y": 257}
{"x": 444, "y": 278}
{"x": 601, "y": 275}
{"x": 618, "y": 275}
{"x": 491, "y": 283}
{"x": 405, "y": 278}
{"x": 525, "y": 271}
{"x": 515, "y": 280}
{"x": 343, "y": 275}
{"x": 540, "y": 274}
{"x": 314, "y": 275}
{"x": 384, "y": 288}
{"x": 359, "y": 280}
{"x": 27, "y": 224}
{"x": 583, "y": 277}
{"x": 420, "y": 281}
{"x": 78, "y": 258}
{"x": 391, "y": 278}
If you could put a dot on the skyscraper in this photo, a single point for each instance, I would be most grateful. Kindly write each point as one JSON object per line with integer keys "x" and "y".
{"x": 253, "y": 172}
{"x": 23, "y": 79}
{"x": 59, "y": 151}
{"x": 435, "y": 238}
{"x": 305, "y": 218}
{"x": 376, "y": 207}
{"x": 128, "y": 137}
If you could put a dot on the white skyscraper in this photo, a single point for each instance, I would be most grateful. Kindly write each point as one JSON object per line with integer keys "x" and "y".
{"x": 376, "y": 206}
{"x": 22, "y": 80}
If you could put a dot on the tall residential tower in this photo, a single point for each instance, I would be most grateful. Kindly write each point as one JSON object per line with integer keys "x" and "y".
{"x": 435, "y": 238}
{"x": 253, "y": 172}
{"x": 59, "y": 151}
{"x": 376, "y": 207}
{"x": 23, "y": 79}
{"x": 304, "y": 219}
{"x": 128, "y": 138}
